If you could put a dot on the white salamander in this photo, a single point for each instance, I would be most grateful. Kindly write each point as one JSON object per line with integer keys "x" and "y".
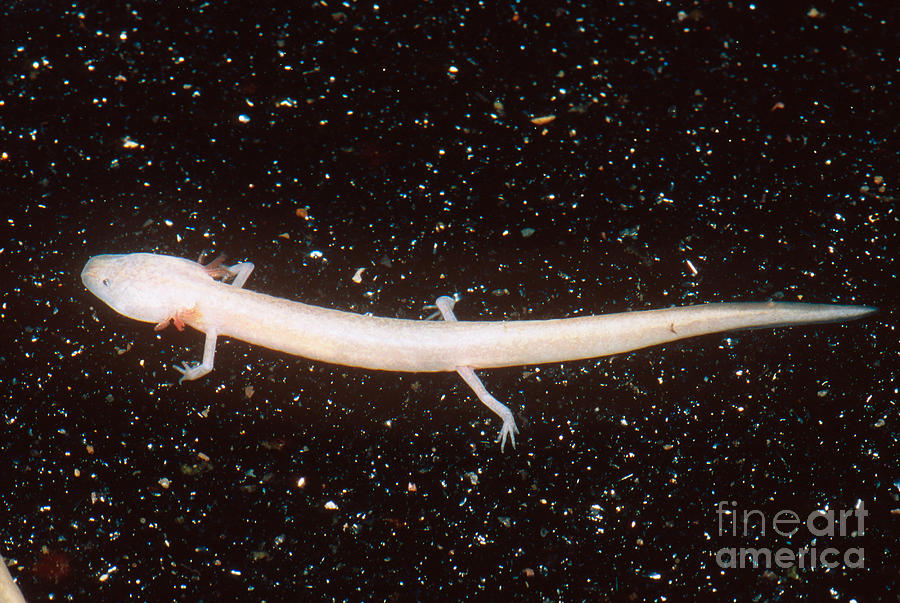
{"x": 163, "y": 289}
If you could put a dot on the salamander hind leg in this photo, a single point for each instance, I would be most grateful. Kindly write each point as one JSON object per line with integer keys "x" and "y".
{"x": 508, "y": 430}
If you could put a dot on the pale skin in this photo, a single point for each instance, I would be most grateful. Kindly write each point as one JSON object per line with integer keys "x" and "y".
{"x": 165, "y": 289}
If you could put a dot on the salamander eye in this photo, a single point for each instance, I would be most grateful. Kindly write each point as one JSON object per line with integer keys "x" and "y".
{"x": 105, "y": 282}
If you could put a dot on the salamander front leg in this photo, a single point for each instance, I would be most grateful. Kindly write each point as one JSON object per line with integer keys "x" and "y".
{"x": 509, "y": 430}
{"x": 241, "y": 273}
{"x": 194, "y": 370}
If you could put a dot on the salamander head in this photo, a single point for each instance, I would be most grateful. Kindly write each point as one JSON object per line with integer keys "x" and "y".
{"x": 142, "y": 286}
